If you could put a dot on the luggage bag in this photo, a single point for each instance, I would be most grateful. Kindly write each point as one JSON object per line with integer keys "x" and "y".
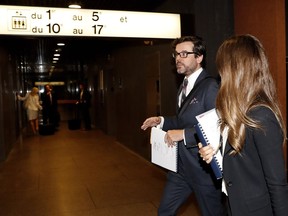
{"x": 47, "y": 129}
{"x": 74, "y": 124}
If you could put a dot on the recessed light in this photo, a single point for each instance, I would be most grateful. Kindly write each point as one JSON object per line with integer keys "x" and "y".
{"x": 74, "y": 6}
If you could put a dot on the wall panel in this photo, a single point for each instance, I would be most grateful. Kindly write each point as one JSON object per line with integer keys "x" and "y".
{"x": 266, "y": 20}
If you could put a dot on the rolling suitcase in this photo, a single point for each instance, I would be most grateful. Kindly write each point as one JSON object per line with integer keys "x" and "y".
{"x": 47, "y": 129}
{"x": 75, "y": 123}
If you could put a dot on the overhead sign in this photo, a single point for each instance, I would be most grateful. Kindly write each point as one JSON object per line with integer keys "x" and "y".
{"x": 38, "y": 21}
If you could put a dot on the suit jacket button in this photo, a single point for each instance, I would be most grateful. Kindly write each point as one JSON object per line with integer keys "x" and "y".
{"x": 229, "y": 184}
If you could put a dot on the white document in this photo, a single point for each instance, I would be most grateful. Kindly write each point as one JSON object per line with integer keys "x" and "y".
{"x": 209, "y": 122}
{"x": 161, "y": 154}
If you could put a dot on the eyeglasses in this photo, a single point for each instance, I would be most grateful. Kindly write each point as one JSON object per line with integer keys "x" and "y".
{"x": 183, "y": 54}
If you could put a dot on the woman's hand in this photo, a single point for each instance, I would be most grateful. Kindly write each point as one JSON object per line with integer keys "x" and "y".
{"x": 206, "y": 152}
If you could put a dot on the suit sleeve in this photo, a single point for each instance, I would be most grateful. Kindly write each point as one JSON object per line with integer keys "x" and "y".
{"x": 203, "y": 99}
{"x": 269, "y": 143}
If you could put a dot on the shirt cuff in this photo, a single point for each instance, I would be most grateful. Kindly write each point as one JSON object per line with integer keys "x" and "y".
{"x": 160, "y": 125}
{"x": 184, "y": 137}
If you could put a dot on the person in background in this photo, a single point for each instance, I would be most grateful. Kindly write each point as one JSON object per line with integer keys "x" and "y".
{"x": 253, "y": 131}
{"x": 49, "y": 103}
{"x": 32, "y": 105}
{"x": 194, "y": 175}
{"x": 84, "y": 103}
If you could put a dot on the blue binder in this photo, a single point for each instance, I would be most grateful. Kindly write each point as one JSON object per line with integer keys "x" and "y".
{"x": 215, "y": 165}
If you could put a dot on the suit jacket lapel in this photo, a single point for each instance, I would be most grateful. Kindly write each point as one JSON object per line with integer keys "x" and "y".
{"x": 227, "y": 149}
{"x": 185, "y": 103}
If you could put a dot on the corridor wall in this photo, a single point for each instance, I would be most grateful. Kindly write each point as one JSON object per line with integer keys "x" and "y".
{"x": 266, "y": 20}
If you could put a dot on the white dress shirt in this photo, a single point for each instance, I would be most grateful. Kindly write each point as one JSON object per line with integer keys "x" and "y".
{"x": 191, "y": 81}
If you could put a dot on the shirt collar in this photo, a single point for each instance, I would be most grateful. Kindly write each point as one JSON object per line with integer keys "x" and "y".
{"x": 192, "y": 79}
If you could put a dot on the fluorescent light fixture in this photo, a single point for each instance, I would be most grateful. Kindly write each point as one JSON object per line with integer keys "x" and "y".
{"x": 57, "y": 83}
{"x": 60, "y": 44}
{"x": 74, "y": 6}
{"x": 55, "y": 59}
{"x": 56, "y": 54}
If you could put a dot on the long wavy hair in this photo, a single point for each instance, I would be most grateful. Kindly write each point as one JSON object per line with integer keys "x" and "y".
{"x": 246, "y": 83}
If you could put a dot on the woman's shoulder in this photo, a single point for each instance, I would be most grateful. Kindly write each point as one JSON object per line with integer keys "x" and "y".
{"x": 262, "y": 114}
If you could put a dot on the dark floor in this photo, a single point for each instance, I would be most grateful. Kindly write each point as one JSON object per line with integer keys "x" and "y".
{"x": 80, "y": 173}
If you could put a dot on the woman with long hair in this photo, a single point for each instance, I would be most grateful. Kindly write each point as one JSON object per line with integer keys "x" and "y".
{"x": 253, "y": 131}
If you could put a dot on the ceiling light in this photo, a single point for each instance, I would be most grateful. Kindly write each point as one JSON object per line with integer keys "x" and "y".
{"x": 60, "y": 44}
{"x": 54, "y": 83}
{"x": 74, "y": 6}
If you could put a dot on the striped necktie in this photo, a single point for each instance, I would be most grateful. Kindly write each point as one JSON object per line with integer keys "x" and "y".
{"x": 184, "y": 87}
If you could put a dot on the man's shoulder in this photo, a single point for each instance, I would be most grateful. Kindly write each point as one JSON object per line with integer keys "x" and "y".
{"x": 207, "y": 79}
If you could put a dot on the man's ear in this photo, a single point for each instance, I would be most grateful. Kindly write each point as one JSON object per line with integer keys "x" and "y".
{"x": 199, "y": 59}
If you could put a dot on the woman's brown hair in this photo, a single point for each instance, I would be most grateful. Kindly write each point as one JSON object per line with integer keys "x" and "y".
{"x": 246, "y": 83}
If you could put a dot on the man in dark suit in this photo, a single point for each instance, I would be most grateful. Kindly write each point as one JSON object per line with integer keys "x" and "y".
{"x": 49, "y": 104}
{"x": 198, "y": 96}
{"x": 84, "y": 102}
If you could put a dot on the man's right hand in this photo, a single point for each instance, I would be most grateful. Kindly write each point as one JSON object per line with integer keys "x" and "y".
{"x": 151, "y": 122}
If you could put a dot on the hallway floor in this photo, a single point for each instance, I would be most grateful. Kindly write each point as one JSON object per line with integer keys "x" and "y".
{"x": 80, "y": 173}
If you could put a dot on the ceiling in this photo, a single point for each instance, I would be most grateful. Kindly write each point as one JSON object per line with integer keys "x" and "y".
{"x": 38, "y": 51}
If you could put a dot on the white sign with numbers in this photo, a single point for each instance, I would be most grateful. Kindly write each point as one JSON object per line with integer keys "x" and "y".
{"x": 23, "y": 20}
